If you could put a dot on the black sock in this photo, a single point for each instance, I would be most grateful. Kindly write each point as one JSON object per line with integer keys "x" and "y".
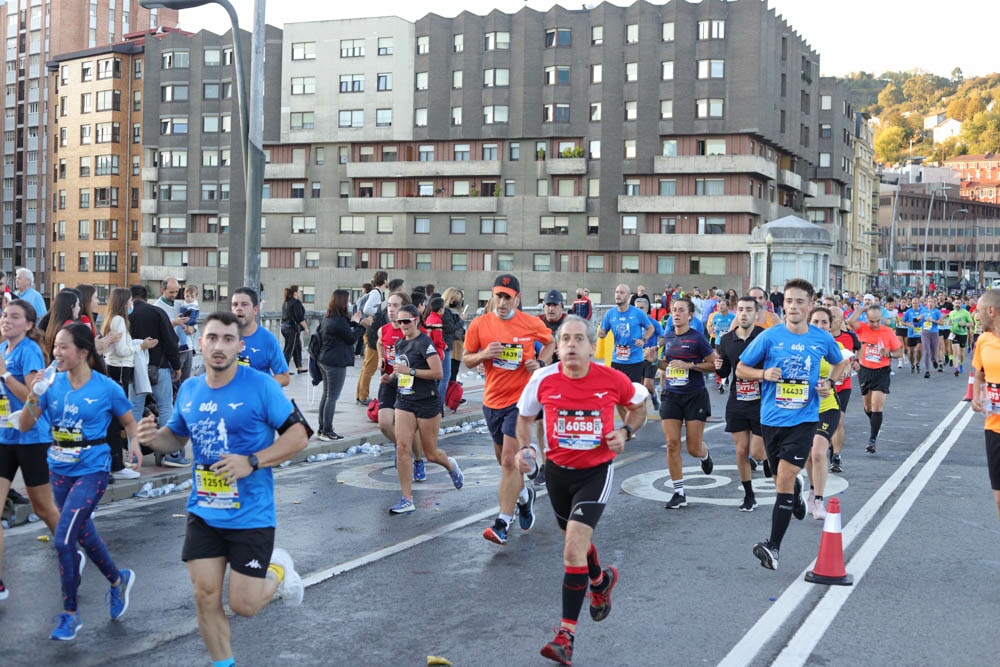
{"x": 869, "y": 413}
{"x": 876, "y": 424}
{"x": 748, "y": 488}
{"x": 574, "y": 592}
{"x": 819, "y": 498}
{"x": 781, "y": 516}
{"x": 593, "y": 565}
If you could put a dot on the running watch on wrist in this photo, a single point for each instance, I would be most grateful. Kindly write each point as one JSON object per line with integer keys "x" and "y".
{"x": 6, "y": 376}
{"x": 628, "y": 430}
{"x": 252, "y": 460}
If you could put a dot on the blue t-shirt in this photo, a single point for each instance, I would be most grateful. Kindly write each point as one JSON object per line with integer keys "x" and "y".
{"x": 690, "y": 346}
{"x": 863, "y": 317}
{"x": 24, "y": 359}
{"x": 793, "y": 399}
{"x": 657, "y": 334}
{"x": 696, "y": 324}
{"x": 626, "y": 327}
{"x": 912, "y": 325}
{"x": 32, "y": 296}
{"x": 929, "y": 322}
{"x": 261, "y": 351}
{"x": 721, "y": 325}
{"x": 81, "y": 415}
{"x": 239, "y": 418}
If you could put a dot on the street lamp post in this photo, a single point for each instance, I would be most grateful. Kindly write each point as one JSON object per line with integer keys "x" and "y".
{"x": 927, "y": 228}
{"x": 951, "y": 226}
{"x": 768, "y": 242}
{"x": 253, "y": 154}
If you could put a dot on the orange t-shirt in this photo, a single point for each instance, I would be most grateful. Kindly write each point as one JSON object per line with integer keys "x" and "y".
{"x": 506, "y": 376}
{"x": 770, "y": 320}
{"x": 986, "y": 358}
{"x": 869, "y": 355}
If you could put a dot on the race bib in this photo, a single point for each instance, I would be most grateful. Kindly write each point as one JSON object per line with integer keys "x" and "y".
{"x": 747, "y": 390}
{"x": 928, "y": 325}
{"x": 511, "y": 357}
{"x": 65, "y": 454}
{"x": 243, "y": 361}
{"x": 872, "y": 353}
{"x": 404, "y": 383}
{"x": 677, "y": 377}
{"x": 578, "y": 429}
{"x": 5, "y": 412}
{"x": 951, "y": 336}
{"x": 623, "y": 352}
{"x": 213, "y": 491}
{"x": 791, "y": 394}
{"x": 61, "y": 437}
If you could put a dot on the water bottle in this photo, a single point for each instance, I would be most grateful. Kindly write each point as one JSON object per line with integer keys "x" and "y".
{"x": 146, "y": 491}
{"x": 49, "y": 376}
{"x": 529, "y": 457}
{"x": 184, "y": 486}
{"x": 353, "y": 449}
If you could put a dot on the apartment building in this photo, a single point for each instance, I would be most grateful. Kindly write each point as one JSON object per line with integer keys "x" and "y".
{"x": 980, "y": 176}
{"x": 33, "y": 32}
{"x": 862, "y": 264}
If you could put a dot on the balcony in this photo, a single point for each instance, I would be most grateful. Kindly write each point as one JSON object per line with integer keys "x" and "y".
{"x": 172, "y": 239}
{"x": 566, "y": 166}
{"x": 153, "y": 272}
{"x": 284, "y": 171}
{"x": 831, "y": 201}
{"x": 789, "y": 179}
{"x": 422, "y": 204}
{"x": 700, "y": 243}
{"x": 567, "y": 204}
{"x": 203, "y": 240}
{"x": 150, "y": 174}
{"x": 285, "y": 205}
{"x": 148, "y": 206}
{"x": 716, "y": 164}
{"x": 705, "y": 204}
{"x": 812, "y": 190}
{"x": 436, "y": 168}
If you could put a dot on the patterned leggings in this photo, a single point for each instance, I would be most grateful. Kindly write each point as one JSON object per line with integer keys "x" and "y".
{"x": 76, "y": 498}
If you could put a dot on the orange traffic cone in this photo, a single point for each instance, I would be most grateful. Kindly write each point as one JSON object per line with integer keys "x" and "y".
{"x": 830, "y": 561}
{"x": 968, "y": 389}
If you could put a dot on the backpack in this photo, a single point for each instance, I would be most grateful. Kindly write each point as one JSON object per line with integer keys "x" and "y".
{"x": 453, "y": 395}
{"x": 373, "y": 410}
{"x": 315, "y": 343}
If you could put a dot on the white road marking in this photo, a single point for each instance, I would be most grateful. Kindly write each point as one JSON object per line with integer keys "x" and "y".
{"x": 801, "y": 646}
{"x": 769, "y": 624}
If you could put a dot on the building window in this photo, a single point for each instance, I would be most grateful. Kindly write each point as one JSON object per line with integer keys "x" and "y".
{"x": 555, "y": 113}
{"x": 711, "y": 69}
{"x": 711, "y": 225}
{"x": 632, "y": 33}
{"x": 668, "y": 225}
{"x": 595, "y": 263}
{"x": 456, "y": 116}
{"x": 665, "y": 265}
{"x": 83, "y": 230}
{"x": 505, "y": 261}
{"x": 383, "y": 81}
{"x": 349, "y": 48}
{"x": 462, "y": 152}
{"x": 421, "y": 225}
{"x": 84, "y": 261}
{"x": 714, "y": 29}
{"x": 458, "y": 43}
{"x": 826, "y": 102}
{"x": 666, "y": 109}
{"x": 213, "y": 57}
{"x": 632, "y": 187}
{"x": 630, "y": 225}
{"x": 348, "y": 118}
{"x": 456, "y": 79}
{"x": 541, "y": 262}
{"x": 597, "y": 35}
{"x": 304, "y": 85}
{"x": 106, "y": 165}
{"x": 669, "y": 148}
{"x": 710, "y": 186}
{"x": 352, "y": 225}
{"x": 711, "y": 146}
{"x": 495, "y": 114}
{"x": 307, "y": 50}
{"x": 459, "y": 261}
{"x": 457, "y": 226}
{"x": 174, "y": 192}
{"x": 171, "y": 60}
{"x": 555, "y": 225}
{"x": 84, "y": 167}
{"x": 425, "y": 153}
{"x": 668, "y": 187}
{"x": 824, "y": 159}
{"x": 493, "y": 225}
{"x": 631, "y": 109}
{"x": 596, "y": 73}
{"x": 383, "y": 224}
{"x": 708, "y": 108}
{"x": 385, "y": 46}
{"x": 175, "y": 158}
{"x": 629, "y": 149}
{"x": 496, "y": 41}
{"x": 825, "y": 131}
{"x": 556, "y": 76}
{"x": 708, "y": 266}
{"x": 383, "y": 117}
{"x": 420, "y": 117}
{"x": 558, "y": 37}
{"x": 497, "y": 78}
{"x": 352, "y": 83}
{"x": 667, "y": 70}
{"x": 422, "y": 80}
{"x": 423, "y": 44}
{"x": 631, "y": 71}
{"x": 176, "y": 125}
{"x": 85, "y": 134}
{"x": 490, "y": 151}
{"x": 514, "y": 151}
{"x": 630, "y": 263}
{"x": 667, "y": 32}
{"x": 345, "y": 259}
{"x": 425, "y": 189}
{"x": 308, "y": 293}
{"x": 422, "y": 261}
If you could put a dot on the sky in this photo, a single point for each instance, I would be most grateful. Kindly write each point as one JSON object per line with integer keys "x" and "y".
{"x": 850, "y": 35}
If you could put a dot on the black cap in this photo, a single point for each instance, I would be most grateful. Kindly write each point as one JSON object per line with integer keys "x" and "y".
{"x": 507, "y": 283}
{"x": 554, "y": 296}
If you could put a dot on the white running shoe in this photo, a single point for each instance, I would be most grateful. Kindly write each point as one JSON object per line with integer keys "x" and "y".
{"x": 290, "y": 590}
{"x": 818, "y": 510}
{"x": 126, "y": 473}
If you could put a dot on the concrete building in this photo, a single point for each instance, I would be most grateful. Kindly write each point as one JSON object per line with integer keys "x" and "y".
{"x": 863, "y": 262}
{"x": 34, "y": 32}
{"x": 979, "y": 176}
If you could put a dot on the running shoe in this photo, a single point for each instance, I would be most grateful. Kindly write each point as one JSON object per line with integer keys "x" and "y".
{"x": 457, "y": 478}
{"x": 707, "y": 464}
{"x": 497, "y": 533}
{"x": 540, "y": 477}
{"x": 957, "y": 371}
{"x": 3, "y": 591}
{"x": 128, "y": 473}
{"x": 836, "y": 465}
{"x": 526, "y": 511}
{"x": 753, "y": 463}
{"x": 722, "y": 388}
{"x": 677, "y": 501}
{"x": 600, "y": 598}
{"x": 560, "y": 649}
{"x": 927, "y": 374}
{"x": 176, "y": 460}
{"x": 940, "y": 369}
{"x": 913, "y": 369}
{"x": 935, "y": 364}
{"x": 767, "y": 553}
{"x": 291, "y": 590}
{"x": 403, "y": 506}
{"x": 961, "y": 368}
{"x": 419, "y": 471}
{"x": 871, "y": 446}
{"x": 818, "y": 510}
{"x": 118, "y": 596}
{"x": 798, "y": 505}
{"x": 767, "y": 469}
{"x": 67, "y": 625}
{"x": 749, "y": 504}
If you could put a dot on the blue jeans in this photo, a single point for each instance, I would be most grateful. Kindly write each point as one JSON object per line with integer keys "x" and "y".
{"x": 163, "y": 394}
{"x": 76, "y": 498}
{"x": 333, "y": 383}
{"x": 446, "y": 368}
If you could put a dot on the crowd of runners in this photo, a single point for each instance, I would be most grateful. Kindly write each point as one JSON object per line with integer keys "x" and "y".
{"x": 555, "y": 414}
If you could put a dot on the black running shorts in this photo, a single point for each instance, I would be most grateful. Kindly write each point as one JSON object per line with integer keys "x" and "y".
{"x": 579, "y": 495}
{"x": 31, "y": 459}
{"x": 633, "y": 371}
{"x": 247, "y": 550}
{"x": 791, "y": 443}
{"x": 828, "y": 422}
{"x": 902, "y": 332}
{"x": 874, "y": 379}
{"x": 424, "y": 408}
{"x": 960, "y": 339}
{"x": 912, "y": 342}
{"x": 993, "y": 458}
{"x": 387, "y": 396}
{"x": 696, "y": 407}
{"x": 649, "y": 369}
{"x": 739, "y": 421}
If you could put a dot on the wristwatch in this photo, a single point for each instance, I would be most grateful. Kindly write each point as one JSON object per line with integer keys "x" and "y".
{"x": 628, "y": 430}
{"x": 413, "y": 372}
{"x": 252, "y": 460}
{"x": 6, "y": 376}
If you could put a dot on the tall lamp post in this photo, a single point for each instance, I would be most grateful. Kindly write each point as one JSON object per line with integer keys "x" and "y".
{"x": 768, "y": 242}
{"x": 251, "y": 138}
{"x": 951, "y": 226}
{"x": 927, "y": 228}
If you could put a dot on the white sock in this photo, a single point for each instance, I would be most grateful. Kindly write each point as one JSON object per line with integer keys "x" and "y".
{"x": 523, "y": 496}
{"x": 506, "y": 518}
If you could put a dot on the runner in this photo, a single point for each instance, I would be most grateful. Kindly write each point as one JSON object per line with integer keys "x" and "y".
{"x": 789, "y": 410}
{"x": 687, "y": 355}
{"x": 231, "y": 414}
{"x": 944, "y": 333}
{"x": 650, "y": 352}
{"x": 21, "y": 360}
{"x": 261, "y": 349}
{"x": 743, "y": 407}
{"x": 417, "y": 370}
{"x": 848, "y": 341}
{"x": 902, "y": 330}
{"x": 879, "y": 345}
{"x": 631, "y": 329}
{"x": 765, "y": 318}
{"x": 961, "y": 321}
{"x": 79, "y": 406}
{"x": 552, "y": 316}
{"x": 719, "y": 322}
{"x": 503, "y": 340}
{"x": 581, "y": 442}
{"x": 986, "y": 387}
{"x": 928, "y": 319}
{"x": 914, "y": 348}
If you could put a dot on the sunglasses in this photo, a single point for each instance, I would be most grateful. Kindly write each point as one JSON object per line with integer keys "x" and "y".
{"x": 403, "y": 320}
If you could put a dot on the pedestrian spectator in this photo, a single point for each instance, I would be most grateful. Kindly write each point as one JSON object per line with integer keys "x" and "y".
{"x": 733, "y": 298}
{"x": 169, "y": 289}
{"x": 709, "y": 304}
{"x": 338, "y": 333}
{"x": 640, "y": 293}
{"x": 366, "y": 288}
{"x": 453, "y": 301}
{"x": 88, "y": 306}
{"x": 436, "y": 321}
{"x": 65, "y": 310}
{"x": 5, "y": 294}
{"x": 375, "y": 297}
{"x": 191, "y": 310}
{"x": 368, "y": 320}
{"x": 697, "y": 300}
{"x": 293, "y": 324}
{"x": 24, "y": 281}
{"x": 582, "y": 306}
{"x": 777, "y": 300}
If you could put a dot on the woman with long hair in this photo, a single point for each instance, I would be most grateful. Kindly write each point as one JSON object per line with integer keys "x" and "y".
{"x": 89, "y": 304}
{"x": 66, "y": 308}
{"x": 733, "y": 298}
{"x": 416, "y": 373}
{"x": 293, "y": 323}
{"x": 120, "y": 360}
{"x": 21, "y": 359}
{"x": 338, "y": 334}
{"x": 453, "y": 298}
{"x": 79, "y": 406}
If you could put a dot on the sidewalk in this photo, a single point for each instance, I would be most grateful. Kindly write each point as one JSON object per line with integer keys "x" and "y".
{"x": 351, "y": 421}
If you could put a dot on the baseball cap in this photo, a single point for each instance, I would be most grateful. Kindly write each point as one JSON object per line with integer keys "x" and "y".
{"x": 507, "y": 284}
{"x": 554, "y": 296}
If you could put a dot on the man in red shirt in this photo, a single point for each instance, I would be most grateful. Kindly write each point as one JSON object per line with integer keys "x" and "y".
{"x": 878, "y": 345}
{"x": 849, "y": 341}
{"x": 581, "y": 443}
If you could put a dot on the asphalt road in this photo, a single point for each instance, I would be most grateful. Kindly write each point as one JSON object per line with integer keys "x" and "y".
{"x": 920, "y": 535}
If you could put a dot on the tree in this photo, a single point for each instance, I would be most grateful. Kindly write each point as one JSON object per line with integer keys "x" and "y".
{"x": 957, "y": 108}
{"x": 982, "y": 132}
{"x": 891, "y": 96}
{"x": 890, "y": 144}
{"x": 950, "y": 147}
{"x": 956, "y": 75}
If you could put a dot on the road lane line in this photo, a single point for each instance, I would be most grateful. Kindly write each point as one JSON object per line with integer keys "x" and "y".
{"x": 812, "y": 630}
{"x": 769, "y": 624}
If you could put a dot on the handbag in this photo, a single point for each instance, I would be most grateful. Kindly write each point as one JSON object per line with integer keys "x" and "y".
{"x": 154, "y": 374}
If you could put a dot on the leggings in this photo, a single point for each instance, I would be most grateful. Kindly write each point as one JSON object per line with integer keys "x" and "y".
{"x": 929, "y": 340}
{"x": 76, "y": 498}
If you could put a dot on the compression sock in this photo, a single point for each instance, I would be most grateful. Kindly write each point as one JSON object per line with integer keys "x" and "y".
{"x": 573, "y": 594}
{"x": 679, "y": 486}
{"x": 781, "y": 516}
{"x": 748, "y": 488}
{"x": 594, "y": 566}
{"x": 876, "y": 424}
